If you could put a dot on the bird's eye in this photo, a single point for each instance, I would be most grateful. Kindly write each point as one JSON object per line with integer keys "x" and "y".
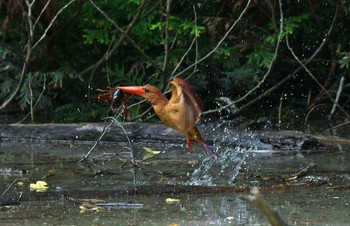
{"x": 146, "y": 90}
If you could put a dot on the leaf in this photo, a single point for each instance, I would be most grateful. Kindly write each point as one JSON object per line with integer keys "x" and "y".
{"x": 172, "y": 201}
{"x": 149, "y": 150}
{"x": 149, "y": 153}
{"x": 39, "y": 186}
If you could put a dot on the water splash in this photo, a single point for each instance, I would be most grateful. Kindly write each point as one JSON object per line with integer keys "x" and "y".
{"x": 222, "y": 171}
{"x": 231, "y": 150}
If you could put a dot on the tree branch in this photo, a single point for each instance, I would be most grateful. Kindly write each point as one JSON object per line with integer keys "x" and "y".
{"x": 29, "y": 48}
{"x": 51, "y": 23}
{"x": 315, "y": 79}
{"x": 267, "y": 72}
{"x": 220, "y": 42}
{"x": 317, "y": 51}
{"x": 166, "y": 39}
{"x": 125, "y": 35}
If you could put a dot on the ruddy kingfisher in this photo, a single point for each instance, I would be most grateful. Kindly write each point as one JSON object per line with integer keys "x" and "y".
{"x": 181, "y": 113}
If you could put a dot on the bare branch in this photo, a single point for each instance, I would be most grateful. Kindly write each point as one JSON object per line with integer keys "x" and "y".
{"x": 317, "y": 51}
{"x": 32, "y": 108}
{"x": 194, "y": 41}
{"x": 314, "y": 78}
{"x": 26, "y": 59}
{"x": 105, "y": 130}
{"x": 220, "y": 42}
{"x": 166, "y": 37}
{"x": 8, "y": 188}
{"x": 51, "y": 23}
{"x": 29, "y": 49}
{"x": 41, "y": 13}
{"x": 125, "y": 35}
{"x": 183, "y": 57}
{"x": 267, "y": 72}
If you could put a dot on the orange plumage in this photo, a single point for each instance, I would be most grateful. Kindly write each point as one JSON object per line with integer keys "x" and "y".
{"x": 182, "y": 112}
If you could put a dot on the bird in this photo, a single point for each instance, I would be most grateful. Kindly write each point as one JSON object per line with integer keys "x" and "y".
{"x": 181, "y": 112}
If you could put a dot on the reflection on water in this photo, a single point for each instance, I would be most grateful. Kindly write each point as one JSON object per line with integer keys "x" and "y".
{"x": 57, "y": 165}
{"x": 297, "y": 208}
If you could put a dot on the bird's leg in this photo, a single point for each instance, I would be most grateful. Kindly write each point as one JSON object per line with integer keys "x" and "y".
{"x": 188, "y": 142}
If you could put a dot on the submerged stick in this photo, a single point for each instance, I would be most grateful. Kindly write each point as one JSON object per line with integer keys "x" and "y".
{"x": 272, "y": 215}
{"x": 302, "y": 172}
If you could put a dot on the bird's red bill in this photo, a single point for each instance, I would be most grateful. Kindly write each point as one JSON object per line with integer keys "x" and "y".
{"x": 137, "y": 90}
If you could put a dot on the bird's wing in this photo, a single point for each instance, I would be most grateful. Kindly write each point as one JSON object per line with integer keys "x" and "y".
{"x": 184, "y": 106}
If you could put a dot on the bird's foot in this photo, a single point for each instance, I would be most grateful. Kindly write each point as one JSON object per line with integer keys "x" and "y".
{"x": 209, "y": 151}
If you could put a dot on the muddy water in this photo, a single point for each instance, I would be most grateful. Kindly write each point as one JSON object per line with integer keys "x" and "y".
{"x": 320, "y": 198}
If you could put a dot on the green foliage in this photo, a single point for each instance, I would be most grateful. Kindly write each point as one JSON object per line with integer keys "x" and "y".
{"x": 98, "y": 30}
{"x": 344, "y": 60}
{"x": 261, "y": 57}
{"x": 118, "y": 75}
{"x": 263, "y": 54}
{"x": 79, "y": 40}
{"x": 292, "y": 24}
{"x": 95, "y": 26}
{"x": 180, "y": 26}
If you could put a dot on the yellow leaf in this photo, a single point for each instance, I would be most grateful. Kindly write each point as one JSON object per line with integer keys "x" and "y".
{"x": 41, "y": 183}
{"x": 172, "y": 201}
{"x": 20, "y": 184}
{"x": 150, "y": 153}
{"x": 39, "y": 186}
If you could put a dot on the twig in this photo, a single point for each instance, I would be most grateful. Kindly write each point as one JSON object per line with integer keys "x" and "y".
{"x": 36, "y": 103}
{"x": 41, "y": 13}
{"x": 302, "y": 172}
{"x": 219, "y": 43}
{"x": 31, "y": 98}
{"x": 105, "y": 129}
{"x": 267, "y": 72}
{"x": 183, "y": 57}
{"x": 28, "y": 55}
{"x": 314, "y": 78}
{"x": 277, "y": 85}
{"x": 196, "y": 42}
{"x": 280, "y": 109}
{"x": 51, "y": 23}
{"x": 122, "y": 38}
{"x": 128, "y": 139}
{"x": 311, "y": 110}
{"x": 8, "y": 188}
{"x": 166, "y": 38}
{"x": 272, "y": 215}
{"x": 336, "y": 101}
{"x": 339, "y": 125}
{"x": 29, "y": 49}
{"x": 20, "y": 196}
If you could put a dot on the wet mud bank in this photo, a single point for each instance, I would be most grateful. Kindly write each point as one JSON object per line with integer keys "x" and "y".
{"x": 155, "y": 134}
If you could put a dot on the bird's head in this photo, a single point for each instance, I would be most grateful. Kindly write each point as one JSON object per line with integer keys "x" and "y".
{"x": 149, "y": 92}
